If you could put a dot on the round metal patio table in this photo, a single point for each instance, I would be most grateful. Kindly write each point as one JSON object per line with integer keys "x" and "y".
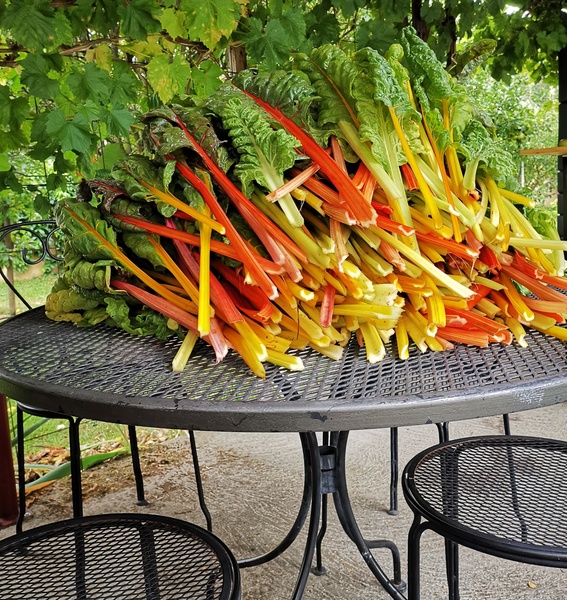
{"x": 106, "y": 374}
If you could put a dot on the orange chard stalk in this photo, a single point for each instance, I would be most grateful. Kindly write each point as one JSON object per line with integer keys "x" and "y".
{"x": 515, "y": 298}
{"x": 489, "y": 258}
{"x": 473, "y": 320}
{"x": 369, "y": 188}
{"x": 450, "y": 245}
{"x": 392, "y": 226}
{"x": 161, "y": 305}
{"x": 546, "y": 306}
{"x": 245, "y": 255}
{"x": 327, "y": 306}
{"x": 253, "y": 294}
{"x": 337, "y": 213}
{"x": 382, "y": 208}
{"x": 321, "y": 190}
{"x": 501, "y": 302}
{"x": 338, "y": 154}
{"x": 409, "y": 177}
{"x": 356, "y": 202}
{"x": 540, "y": 290}
{"x": 195, "y": 240}
{"x": 174, "y": 269}
{"x": 465, "y": 336}
{"x": 293, "y": 184}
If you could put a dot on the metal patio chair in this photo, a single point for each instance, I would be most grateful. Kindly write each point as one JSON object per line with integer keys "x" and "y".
{"x": 118, "y": 556}
{"x": 500, "y": 495}
{"x": 394, "y": 459}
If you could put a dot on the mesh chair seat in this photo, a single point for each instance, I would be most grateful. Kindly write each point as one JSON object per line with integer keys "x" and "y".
{"x": 501, "y": 495}
{"x": 118, "y": 556}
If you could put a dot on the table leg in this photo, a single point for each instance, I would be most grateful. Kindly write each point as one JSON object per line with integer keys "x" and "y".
{"x": 310, "y": 439}
{"x": 394, "y": 586}
{"x": 299, "y": 520}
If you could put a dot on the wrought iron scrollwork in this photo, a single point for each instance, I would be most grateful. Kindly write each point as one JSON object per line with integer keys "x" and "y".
{"x": 44, "y": 238}
{"x": 41, "y": 231}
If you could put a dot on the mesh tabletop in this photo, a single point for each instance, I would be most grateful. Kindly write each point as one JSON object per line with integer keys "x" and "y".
{"x": 116, "y": 557}
{"x": 513, "y": 488}
{"x": 107, "y": 374}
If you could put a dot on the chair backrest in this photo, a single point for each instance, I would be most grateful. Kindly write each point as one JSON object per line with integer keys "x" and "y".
{"x": 40, "y": 244}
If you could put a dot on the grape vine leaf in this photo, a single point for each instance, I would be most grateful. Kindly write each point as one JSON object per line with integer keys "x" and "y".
{"x": 173, "y": 21}
{"x": 72, "y": 135}
{"x": 117, "y": 120}
{"x": 102, "y": 15}
{"x": 101, "y": 56}
{"x": 4, "y": 162}
{"x": 266, "y": 45}
{"x": 168, "y": 78}
{"x": 293, "y": 24}
{"x": 138, "y": 19}
{"x": 210, "y": 20}
{"x": 125, "y": 85}
{"x": 90, "y": 83}
{"x": 35, "y": 76}
{"x": 206, "y": 78}
{"x": 13, "y": 111}
{"x": 31, "y": 24}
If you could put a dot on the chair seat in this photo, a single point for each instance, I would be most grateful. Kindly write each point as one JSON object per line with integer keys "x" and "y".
{"x": 503, "y": 495}
{"x": 118, "y": 556}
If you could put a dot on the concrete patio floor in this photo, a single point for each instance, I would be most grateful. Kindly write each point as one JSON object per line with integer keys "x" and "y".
{"x": 252, "y": 486}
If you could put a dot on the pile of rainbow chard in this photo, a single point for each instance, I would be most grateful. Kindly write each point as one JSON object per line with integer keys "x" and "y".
{"x": 351, "y": 195}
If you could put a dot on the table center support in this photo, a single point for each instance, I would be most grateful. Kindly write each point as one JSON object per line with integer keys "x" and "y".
{"x": 325, "y": 467}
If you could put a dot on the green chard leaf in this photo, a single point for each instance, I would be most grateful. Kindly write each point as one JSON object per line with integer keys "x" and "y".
{"x": 64, "y": 303}
{"x": 164, "y": 127}
{"x": 141, "y": 246}
{"x": 375, "y": 90}
{"x": 483, "y": 152}
{"x": 425, "y": 67}
{"x": 144, "y": 322}
{"x": 91, "y": 275}
{"x": 78, "y": 220}
{"x": 265, "y": 152}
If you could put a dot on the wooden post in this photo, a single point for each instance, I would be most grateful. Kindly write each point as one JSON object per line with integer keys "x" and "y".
{"x": 8, "y": 496}
{"x": 562, "y": 160}
{"x": 236, "y": 59}
{"x": 10, "y": 272}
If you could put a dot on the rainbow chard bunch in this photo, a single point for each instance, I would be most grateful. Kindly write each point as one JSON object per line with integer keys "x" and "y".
{"x": 350, "y": 196}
